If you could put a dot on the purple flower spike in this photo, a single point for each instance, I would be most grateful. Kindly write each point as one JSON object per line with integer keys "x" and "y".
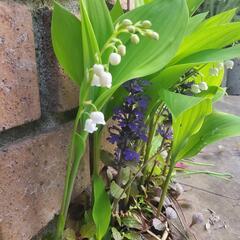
{"x": 130, "y": 155}
{"x": 130, "y": 127}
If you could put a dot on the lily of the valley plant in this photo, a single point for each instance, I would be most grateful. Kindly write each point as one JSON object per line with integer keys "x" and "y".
{"x": 171, "y": 64}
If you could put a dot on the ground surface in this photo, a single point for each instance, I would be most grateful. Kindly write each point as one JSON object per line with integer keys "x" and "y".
{"x": 226, "y": 157}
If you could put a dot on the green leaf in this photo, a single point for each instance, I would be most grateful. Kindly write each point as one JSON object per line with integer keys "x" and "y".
{"x": 79, "y": 145}
{"x": 89, "y": 41}
{"x": 216, "y": 126}
{"x": 101, "y": 207}
{"x": 194, "y": 22}
{"x": 193, "y": 5}
{"x": 210, "y": 38}
{"x": 188, "y": 123}
{"x": 188, "y": 116}
{"x": 116, "y": 11}
{"x": 133, "y": 236}
{"x": 69, "y": 234}
{"x": 116, "y": 191}
{"x": 133, "y": 221}
{"x": 219, "y": 19}
{"x": 178, "y": 103}
{"x": 100, "y": 19}
{"x": 139, "y": 3}
{"x": 116, "y": 234}
{"x": 88, "y": 230}
{"x": 66, "y": 34}
{"x": 150, "y": 56}
{"x": 170, "y": 75}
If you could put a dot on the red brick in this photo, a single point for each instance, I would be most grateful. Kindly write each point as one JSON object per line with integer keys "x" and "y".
{"x": 31, "y": 182}
{"x": 19, "y": 92}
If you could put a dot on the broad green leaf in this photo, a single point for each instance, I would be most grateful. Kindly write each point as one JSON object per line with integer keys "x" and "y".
{"x": 216, "y": 126}
{"x": 100, "y": 19}
{"x": 193, "y": 5}
{"x": 150, "y": 56}
{"x": 133, "y": 236}
{"x": 207, "y": 77}
{"x": 116, "y": 11}
{"x": 101, "y": 207}
{"x": 194, "y": 22}
{"x": 219, "y": 19}
{"x": 178, "y": 103}
{"x": 117, "y": 191}
{"x": 188, "y": 116}
{"x": 66, "y": 33}
{"x": 213, "y": 92}
{"x": 170, "y": 75}
{"x": 187, "y": 124}
{"x": 212, "y": 38}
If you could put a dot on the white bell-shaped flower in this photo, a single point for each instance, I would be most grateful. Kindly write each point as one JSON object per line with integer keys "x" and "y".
{"x": 214, "y": 72}
{"x": 90, "y": 126}
{"x": 195, "y": 89}
{"x": 115, "y": 58}
{"x": 122, "y": 50}
{"x": 96, "y": 81}
{"x": 97, "y": 118}
{"x": 203, "y": 86}
{"x": 229, "y": 64}
{"x": 98, "y": 69}
{"x": 106, "y": 79}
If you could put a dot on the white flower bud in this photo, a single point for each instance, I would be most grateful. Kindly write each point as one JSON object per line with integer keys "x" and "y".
{"x": 131, "y": 29}
{"x": 135, "y": 39}
{"x": 195, "y": 89}
{"x": 203, "y": 86}
{"x": 229, "y": 64}
{"x": 106, "y": 79}
{"x": 146, "y": 24}
{"x": 114, "y": 58}
{"x": 97, "y": 118}
{"x": 155, "y": 36}
{"x": 220, "y": 65}
{"x": 98, "y": 69}
{"x": 127, "y": 22}
{"x": 214, "y": 72}
{"x": 96, "y": 81}
{"x": 90, "y": 126}
{"x": 122, "y": 50}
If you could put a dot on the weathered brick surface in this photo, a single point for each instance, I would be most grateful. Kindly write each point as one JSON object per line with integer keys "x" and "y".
{"x": 19, "y": 92}
{"x": 61, "y": 93}
{"x": 31, "y": 183}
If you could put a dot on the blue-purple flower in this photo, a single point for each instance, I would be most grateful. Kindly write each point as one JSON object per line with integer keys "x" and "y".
{"x": 130, "y": 127}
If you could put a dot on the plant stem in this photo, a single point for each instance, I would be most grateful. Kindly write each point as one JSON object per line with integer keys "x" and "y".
{"x": 165, "y": 188}
{"x": 62, "y": 215}
{"x": 96, "y": 153}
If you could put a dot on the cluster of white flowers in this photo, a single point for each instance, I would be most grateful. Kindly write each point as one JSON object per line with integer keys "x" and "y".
{"x": 91, "y": 123}
{"x": 229, "y": 64}
{"x": 197, "y": 88}
{"x": 101, "y": 78}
